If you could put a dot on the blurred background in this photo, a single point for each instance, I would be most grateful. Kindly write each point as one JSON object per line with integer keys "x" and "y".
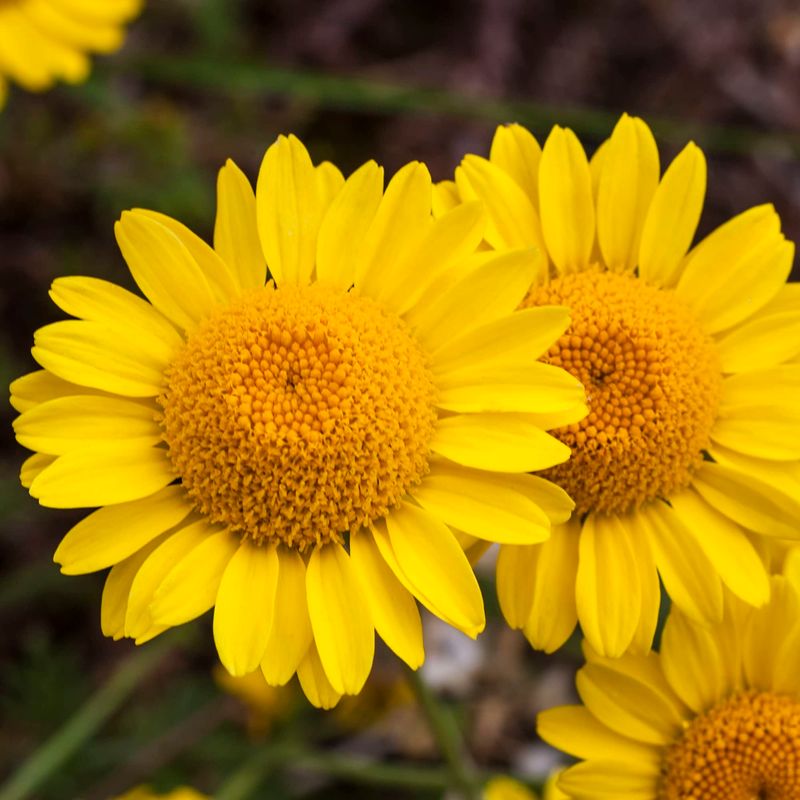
{"x": 199, "y": 81}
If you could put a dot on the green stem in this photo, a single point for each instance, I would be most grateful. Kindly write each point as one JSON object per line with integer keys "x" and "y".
{"x": 253, "y": 772}
{"x": 448, "y": 737}
{"x": 85, "y": 722}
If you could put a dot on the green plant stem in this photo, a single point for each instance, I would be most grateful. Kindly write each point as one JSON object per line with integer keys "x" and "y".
{"x": 85, "y": 722}
{"x": 254, "y": 772}
{"x": 448, "y": 737}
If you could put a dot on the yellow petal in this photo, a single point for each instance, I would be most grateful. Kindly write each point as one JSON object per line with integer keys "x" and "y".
{"x": 565, "y": 194}
{"x": 244, "y": 607}
{"x": 516, "y": 568}
{"x": 330, "y": 181}
{"x": 763, "y": 341}
{"x": 165, "y": 271}
{"x": 518, "y": 339}
{"x": 289, "y": 210}
{"x": 608, "y": 589}
{"x": 32, "y": 467}
{"x": 235, "y": 229}
{"x": 650, "y": 586}
{"x": 554, "y": 613}
{"x": 672, "y": 218}
{"x": 171, "y": 549}
{"x": 516, "y": 151}
{"x": 190, "y": 588}
{"x": 63, "y": 27}
{"x": 402, "y": 219}
{"x": 767, "y": 429}
{"x": 628, "y": 180}
{"x": 40, "y": 386}
{"x": 394, "y": 611}
{"x": 99, "y": 477}
{"x": 690, "y": 577}
{"x": 574, "y": 730}
{"x": 434, "y": 564}
{"x": 725, "y": 545}
{"x": 78, "y": 422}
{"x": 222, "y": 278}
{"x": 92, "y": 354}
{"x": 342, "y": 624}
{"x": 345, "y": 225}
{"x": 512, "y": 219}
{"x": 291, "y": 635}
{"x": 314, "y": 681}
{"x": 610, "y": 780}
{"x": 109, "y": 535}
{"x": 100, "y": 301}
{"x": 497, "y": 442}
{"x": 737, "y": 269}
{"x": 445, "y": 198}
{"x": 482, "y": 504}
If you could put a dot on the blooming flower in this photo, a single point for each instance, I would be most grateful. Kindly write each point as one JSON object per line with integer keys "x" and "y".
{"x": 42, "y": 41}
{"x": 690, "y": 453}
{"x": 715, "y": 714}
{"x": 297, "y": 453}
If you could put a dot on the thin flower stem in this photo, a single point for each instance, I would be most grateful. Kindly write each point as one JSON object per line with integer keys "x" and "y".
{"x": 85, "y": 722}
{"x": 448, "y": 737}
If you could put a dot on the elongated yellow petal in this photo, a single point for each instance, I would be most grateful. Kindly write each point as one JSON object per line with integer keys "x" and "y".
{"x": 291, "y": 635}
{"x": 235, "y": 229}
{"x": 763, "y": 430}
{"x": 483, "y": 505}
{"x": 171, "y": 549}
{"x": 244, "y": 607}
{"x": 607, "y": 590}
{"x": 513, "y": 222}
{"x": 574, "y": 730}
{"x": 32, "y": 467}
{"x": 63, "y": 27}
{"x": 497, "y": 442}
{"x": 91, "y": 354}
{"x": 762, "y": 341}
{"x": 190, "y": 588}
{"x": 516, "y": 151}
{"x": 672, "y": 218}
{"x": 345, "y": 225}
{"x": 314, "y": 681}
{"x": 689, "y": 576}
{"x": 610, "y": 780}
{"x": 434, "y": 564}
{"x": 736, "y": 269}
{"x": 101, "y": 301}
{"x": 516, "y": 569}
{"x": 565, "y": 193}
{"x": 393, "y": 608}
{"x": 628, "y": 180}
{"x": 445, "y": 197}
{"x": 289, "y": 211}
{"x": 40, "y": 386}
{"x": 330, "y": 181}
{"x": 342, "y": 624}
{"x": 165, "y": 271}
{"x": 651, "y": 589}
{"x": 109, "y": 535}
{"x": 78, "y": 422}
{"x": 103, "y": 476}
{"x": 553, "y": 613}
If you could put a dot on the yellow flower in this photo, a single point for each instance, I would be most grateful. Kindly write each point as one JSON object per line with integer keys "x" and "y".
{"x": 145, "y": 793}
{"x": 503, "y": 788}
{"x": 715, "y": 714}
{"x": 296, "y": 453}
{"x": 42, "y": 41}
{"x": 691, "y": 361}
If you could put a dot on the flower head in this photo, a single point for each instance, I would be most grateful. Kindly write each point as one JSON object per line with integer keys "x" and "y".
{"x": 42, "y": 41}
{"x": 296, "y": 425}
{"x": 690, "y": 356}
{"x": 715, "y": 714}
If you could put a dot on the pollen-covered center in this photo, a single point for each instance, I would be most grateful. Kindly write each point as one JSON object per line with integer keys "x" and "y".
{"x": 297, "y": 414}
{"x": 745, "y": 748}
{"x": 652, "y": 380}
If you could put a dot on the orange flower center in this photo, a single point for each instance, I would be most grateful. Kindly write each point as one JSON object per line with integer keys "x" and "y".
{"x": 745, "y": 748}
{"x": 297, "y": 414}
{"x": 653, "y": 382}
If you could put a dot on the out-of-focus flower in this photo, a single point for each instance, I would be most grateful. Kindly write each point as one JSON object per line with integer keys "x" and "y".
{"x": 714, "y": 714}
{"x": 44, "y": 41}
{"x": 504, "y": 788}
{"x": 145, "y": 793}
{"x": 297, "y": 452}
{"x": 691, "y": 361}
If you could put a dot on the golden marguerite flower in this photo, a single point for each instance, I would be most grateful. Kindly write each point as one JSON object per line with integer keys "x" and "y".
{"x": 297, "y": 452}
{"x": 690, "y": 453}
{"x": 44, "y": 41}
{"x": 714, "y": 716}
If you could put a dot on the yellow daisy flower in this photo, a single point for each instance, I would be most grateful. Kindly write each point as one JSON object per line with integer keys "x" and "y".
{"x": 297, "y": 453}
{"x": 714, "y": 715}
{"x": 502, "y": 787}
{"x": 43, "y": 41}
{"x": 146, "y": 793}
{"x": 691, "y": 361}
